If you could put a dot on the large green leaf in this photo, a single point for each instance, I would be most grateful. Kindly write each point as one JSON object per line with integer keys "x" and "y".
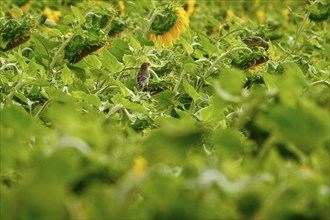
{"x": 232, "y": 80}
{"x": 110, "y": 62}
{"x": 190, "y": 90}
{"x": 308, "y": 129}
{"x": 119, "y": 48}
{"x": 66, "y": 75}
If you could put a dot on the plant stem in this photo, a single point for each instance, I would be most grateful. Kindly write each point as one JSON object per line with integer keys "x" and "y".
{"x": 154, "y": 75}
{"x": 299, "y": 32}
{"x": 320, "y": 82}
{"x": 104, "y": 88}
{"x": 176, "y": 87}
{"x": 121, "y": 73}
{"x": 114, "y": 110}
{"x": 19, "y": 85}
{"x": 209, "y": 70}
{"x": 151, "y": 19}
{"x": 11, "y": 65}
{"x": 42, "y": 109}
{"x": 231, "y": 32}
{"x": 59, "y": 51}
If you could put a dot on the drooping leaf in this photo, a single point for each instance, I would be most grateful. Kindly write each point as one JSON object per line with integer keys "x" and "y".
{"x": 190, "y": 90}
{"x": 81, "y": 19}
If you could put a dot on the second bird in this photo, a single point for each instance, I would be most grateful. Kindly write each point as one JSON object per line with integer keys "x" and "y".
{"x": 143, "y": 76}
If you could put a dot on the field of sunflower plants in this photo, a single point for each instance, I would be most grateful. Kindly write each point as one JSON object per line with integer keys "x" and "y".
{"x": 231, "y": 120}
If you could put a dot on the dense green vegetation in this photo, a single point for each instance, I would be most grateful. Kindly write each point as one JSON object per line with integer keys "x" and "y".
{"x": 227, "y": 128}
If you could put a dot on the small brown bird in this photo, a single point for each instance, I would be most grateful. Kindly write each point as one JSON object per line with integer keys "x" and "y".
{"x": 255, "y": 41}
{"x": 143, "y": 76}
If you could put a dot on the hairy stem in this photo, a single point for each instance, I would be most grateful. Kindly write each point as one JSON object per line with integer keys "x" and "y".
{"x": 209, "y": 70}
{"x": 176, "y": 87}
{"x": 299, "y": 32}
{"x": 231, "y": 32}
{"x": 42, "y": 109}
{"x": 320, "y": 82}
{"x": 59, "y": 51}
{"x": 19, "y": 85}
{"x": 150, "y": 20}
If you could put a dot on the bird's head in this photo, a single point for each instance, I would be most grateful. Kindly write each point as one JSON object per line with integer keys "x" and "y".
{"x": 145, "y": 65}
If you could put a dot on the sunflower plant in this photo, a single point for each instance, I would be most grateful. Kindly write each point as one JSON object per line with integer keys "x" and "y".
{"x": 92, "y": 30}
{"x": 234, "y": 123}
{"x": 14, "y": 32}
{"x": 167, "y": 25}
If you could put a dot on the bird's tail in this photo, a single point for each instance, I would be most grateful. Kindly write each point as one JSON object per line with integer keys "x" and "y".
{"x": 140, "y": 86}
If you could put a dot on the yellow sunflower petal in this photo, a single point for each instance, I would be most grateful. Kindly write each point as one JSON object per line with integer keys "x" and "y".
{"x": 190, "y": 6}
{"x": 260, "y": 16}
{"x": 121, "y": 7}
{"x": 153, "y": 37}
{"x": 180, "y": 26}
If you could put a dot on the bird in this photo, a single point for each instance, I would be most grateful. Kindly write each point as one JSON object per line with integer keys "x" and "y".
{"x": 143, "y": 75}
{"x": 255, "y": 41}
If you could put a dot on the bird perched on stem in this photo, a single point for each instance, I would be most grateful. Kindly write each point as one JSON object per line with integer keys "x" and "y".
{"x": 143, "y": 76}
{"x": 255, "y": 41}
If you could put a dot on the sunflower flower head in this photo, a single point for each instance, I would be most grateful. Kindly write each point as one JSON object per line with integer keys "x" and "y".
{"x": 52, "y": 15}
{"x": 121, "y": 5}
{"x": 260, "y": 15}
{"x": 139, "y": 165}
{"x": 190, "y": 6}
{"x": 255, "y": 4}
{"x": 16, "y": 12}
{"x": 168, "y": 25}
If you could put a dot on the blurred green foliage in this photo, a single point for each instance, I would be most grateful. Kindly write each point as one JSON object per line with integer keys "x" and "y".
{"x": 222, "y": 131}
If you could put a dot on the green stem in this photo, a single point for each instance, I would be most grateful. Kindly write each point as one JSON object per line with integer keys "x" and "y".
{"x": 300, "y": 29}
{"x": 11, "y": 65}
{"x": 264, "y": 150}
{"x": 121, "y": 73}
{"x": 176, "y": 87}
{"x": 231, "y": 32}
{"x": 151, "y": 19}
{"x": 19, "y": 85}
{"x": 209, "y": 70}
{"x": 320, "y": 82}
{"x": 42, "y": 109}
{"x": 114, "y": 110}
{"x": 104, "y": 88}
{"x": 59, "y": 51}
{"x": 154, "y": 75}
{"x": 299, "y": 32}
